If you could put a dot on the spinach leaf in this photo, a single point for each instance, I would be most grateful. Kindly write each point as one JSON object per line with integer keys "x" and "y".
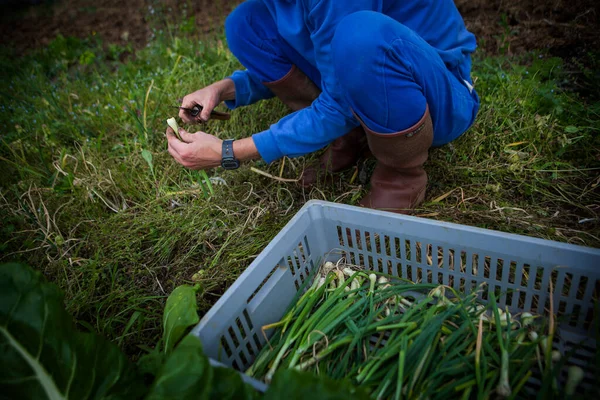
{"x": 180, "y": 313}
{"x": 186, "y": 374}
{"x": 227, "y": 384}
{"x": 149, "y": 364}
{"x": 42, "y": 355}
{"x": 297, "y": 385}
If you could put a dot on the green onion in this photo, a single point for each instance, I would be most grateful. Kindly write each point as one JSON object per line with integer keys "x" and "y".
{"x": 172, "y": 122}
{"x": 398, "y": 339}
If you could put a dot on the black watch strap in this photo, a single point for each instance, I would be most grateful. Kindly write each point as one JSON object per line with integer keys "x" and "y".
{"x": 228, "y": 160}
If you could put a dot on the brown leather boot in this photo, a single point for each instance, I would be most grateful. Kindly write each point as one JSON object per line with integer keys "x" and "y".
{"x": 297, "y": 91}
{"x": 399, "y": 181}
{"x": 343, "y": 153}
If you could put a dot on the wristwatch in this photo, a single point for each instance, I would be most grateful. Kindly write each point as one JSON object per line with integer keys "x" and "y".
{"x": 228, "y": 160}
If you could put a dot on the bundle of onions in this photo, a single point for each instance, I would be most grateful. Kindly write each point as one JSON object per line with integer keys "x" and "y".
{"x": 395, "y": 338}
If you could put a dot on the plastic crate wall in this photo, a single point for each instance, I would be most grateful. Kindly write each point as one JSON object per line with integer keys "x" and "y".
{"x": 519, "y": 267}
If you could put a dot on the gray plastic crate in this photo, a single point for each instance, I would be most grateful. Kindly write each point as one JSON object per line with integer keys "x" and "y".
{"x": 409, "y": 247}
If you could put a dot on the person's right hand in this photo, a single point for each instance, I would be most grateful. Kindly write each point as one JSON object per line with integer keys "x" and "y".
{"x": 208, "y": 97}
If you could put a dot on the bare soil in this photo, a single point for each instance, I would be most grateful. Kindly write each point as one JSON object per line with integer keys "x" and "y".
{"x": 123, "y": 22}
{"x": 565, "y": 28}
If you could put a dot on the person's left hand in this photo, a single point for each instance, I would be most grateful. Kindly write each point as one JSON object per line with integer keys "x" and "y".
{"x": 197, "y": 151}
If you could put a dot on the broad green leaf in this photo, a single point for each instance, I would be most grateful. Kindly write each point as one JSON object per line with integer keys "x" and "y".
{"x": 186, "y": 374}
{"x": 227, "y": 384}
{"x": 43, "y": 356}
{"x": 180, "y": 314}
{"x": 290, "y": 384}
{"x": 147, "y": 155}
{"x": 150, "y": 364}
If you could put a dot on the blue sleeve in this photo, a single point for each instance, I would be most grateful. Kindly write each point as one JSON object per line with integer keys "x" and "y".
{"x": 247, "y": 90}
{"x": 329, "y": 117}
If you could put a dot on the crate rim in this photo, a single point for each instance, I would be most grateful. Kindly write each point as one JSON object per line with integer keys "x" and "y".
{"x": 313, "y": 204}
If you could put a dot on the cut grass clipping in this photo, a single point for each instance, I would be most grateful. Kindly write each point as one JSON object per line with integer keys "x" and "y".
{"x": 173, "y": 124}
{"x": 400, "y": 339}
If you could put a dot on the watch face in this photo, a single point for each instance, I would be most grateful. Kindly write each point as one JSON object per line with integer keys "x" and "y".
{"x": 230, "y": 164}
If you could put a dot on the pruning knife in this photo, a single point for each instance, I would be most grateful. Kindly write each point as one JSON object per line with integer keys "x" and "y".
{"x": 213, "y": 114}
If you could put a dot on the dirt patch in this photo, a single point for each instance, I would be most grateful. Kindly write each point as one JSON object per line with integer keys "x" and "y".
{"x": 566, "y": 28}
{"x": 114, "y": 21}
{"x": 27, "y": 26}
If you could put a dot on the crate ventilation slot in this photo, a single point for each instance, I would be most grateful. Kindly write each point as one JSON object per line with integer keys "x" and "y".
{"x": 240, "y": 343}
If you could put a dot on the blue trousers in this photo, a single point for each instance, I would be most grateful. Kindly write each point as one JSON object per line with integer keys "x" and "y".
{"x": 388, "y": 73}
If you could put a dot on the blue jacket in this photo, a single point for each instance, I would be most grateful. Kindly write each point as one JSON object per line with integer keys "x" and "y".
{"x": 308, "y": 26}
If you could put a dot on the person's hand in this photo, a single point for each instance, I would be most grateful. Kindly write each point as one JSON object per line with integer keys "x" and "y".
{"x": 208, "y": 97}
{"x": 197, "y": 151}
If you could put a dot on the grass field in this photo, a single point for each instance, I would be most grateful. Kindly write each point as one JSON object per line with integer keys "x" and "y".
{"x": 90, "y": 196}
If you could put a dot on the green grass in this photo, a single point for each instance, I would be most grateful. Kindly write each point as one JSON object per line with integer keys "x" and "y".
{"x": 90, "y": 195}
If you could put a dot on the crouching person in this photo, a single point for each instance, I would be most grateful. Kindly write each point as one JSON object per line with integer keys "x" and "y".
{"x": 391, "y": 77}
